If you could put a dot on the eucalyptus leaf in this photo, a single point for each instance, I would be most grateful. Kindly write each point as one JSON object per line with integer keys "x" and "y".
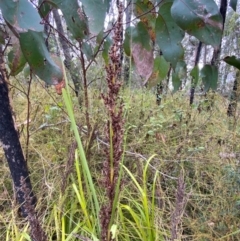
{"x": 232, "y": 60}
{"x": 201, "y": 19}
{"x": 87, "y": 50}
{"x": 39, "y": 58}
{"x": 195, "y": 74}
{"x": 43, "y": 8}
{"x": 169, "y": 35}
{"x": 74, "y": 16}
{"x": 21, "y": 16}
{"x": 96, "y": 11}
{"x": 16, "y": 60}
{"x": 209, "y": 75}
{"x": 160, "y": 71}
{"x": 233, "y": 4}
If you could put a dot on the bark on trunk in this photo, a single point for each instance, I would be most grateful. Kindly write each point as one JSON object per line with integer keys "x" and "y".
{"x": 12, "y": 147}
{"x": 232, "y": 107}
{"x": 193, "y": 85}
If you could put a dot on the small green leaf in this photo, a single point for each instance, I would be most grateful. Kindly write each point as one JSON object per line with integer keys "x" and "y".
{"x": 160, "y": 70}
{"x": 100, "y": 37}
{"x": 233, "y": 4}
{"x": 107, "y": 44}
{"x": 74, "y": 16}
{"x": 200, "y": 19}
{"x": 169, "y": 35}
{"x": 127, "y": 41}
{"x": 140, "y": 35}
{"x": 16, "y": 60}
{"x": 36, "y": 53}
{"x": 96, "y": 11}
{"x": 232, "y": 60}
{"x": 43, "y": 8}
{"x": 87, "y": 50}
{"x": 209, "y": 75}
{"x": 195, "y": 75}
{"x": 26, "y": 71}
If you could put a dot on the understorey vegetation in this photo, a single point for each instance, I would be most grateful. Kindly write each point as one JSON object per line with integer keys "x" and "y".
{"x": 139, "y": 139}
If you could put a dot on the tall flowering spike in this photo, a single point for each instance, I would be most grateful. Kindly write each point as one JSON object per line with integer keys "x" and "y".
{"x": 114, "y": 127}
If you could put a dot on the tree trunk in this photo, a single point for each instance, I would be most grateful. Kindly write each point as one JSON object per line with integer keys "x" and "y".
{"x": 232, "y": 107}
{"x": 193, "y": 85}
{"x": 66, "y": 51}
{"x": 12, "y": 148}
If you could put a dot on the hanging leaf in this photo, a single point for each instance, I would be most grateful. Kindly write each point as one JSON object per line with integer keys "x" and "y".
{"x": 43, "y": 8}
{"x": 145, "y": 10}
{"x": 209, "y": 75}
{"x": 232, "y": 60}
{"x": 178, "y": 75}
{"x": 107, "y": 44}
{"x": 140, "y": 35}
{"x": 26, "y": 71}
{"x": 137, "y": 35}
{"x": 127, "y": 41}
{"x": 200, "y": 19}
{"x": 20, "y": 16}
{"x": 160, "y": 71}
{"x": 87, "y": 50}
{"x": 169, "y": 35}
{"x": 96, "y": 11}
{"x": 74, "y": 16}
{"x": 233, "y": 4}
{"x": 39, "y": 58}
{"x": 16, "y": 60}
{"x": 143, "y": 60}
{"x": 195, "y": 75}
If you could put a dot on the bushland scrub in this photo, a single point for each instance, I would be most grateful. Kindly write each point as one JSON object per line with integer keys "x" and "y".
{"x": 180, "y": 168}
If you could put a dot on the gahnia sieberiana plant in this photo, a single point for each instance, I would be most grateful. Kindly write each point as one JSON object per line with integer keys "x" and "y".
{"x": 114, "y": 131}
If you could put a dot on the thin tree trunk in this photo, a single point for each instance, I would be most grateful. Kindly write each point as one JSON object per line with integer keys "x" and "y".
{"x": 11, "y": 145}
{"x": 126, "y": 70}
{"x": 66, "y": 51}
{"x": 232, "y": 107}
{"x": 193, "y": 86}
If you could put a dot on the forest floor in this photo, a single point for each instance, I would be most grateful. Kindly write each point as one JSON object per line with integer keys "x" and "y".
{"x": 193, "y": 175}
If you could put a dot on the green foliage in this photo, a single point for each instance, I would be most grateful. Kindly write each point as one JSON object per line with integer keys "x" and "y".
{"x": 39, "y": 58}
{"x": 160, "y": 71}
{"x": 44, "y": 8}
{"x": 232, "y": 60}
{"x": 96, "y": 11}
{"x": 209, "y": 75}
{"x": 195, "y": 75}
{"x": 21, "y": 16}
{"x": 233, "y": 4}
{"x": 180, "y": 137}
{"x": 168, "y": 34}
{"x": 16, "y": 60}
{"x": 24, "y": 22}
{"x": 74, "y": 16}
{"x": 200, "y": 19}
